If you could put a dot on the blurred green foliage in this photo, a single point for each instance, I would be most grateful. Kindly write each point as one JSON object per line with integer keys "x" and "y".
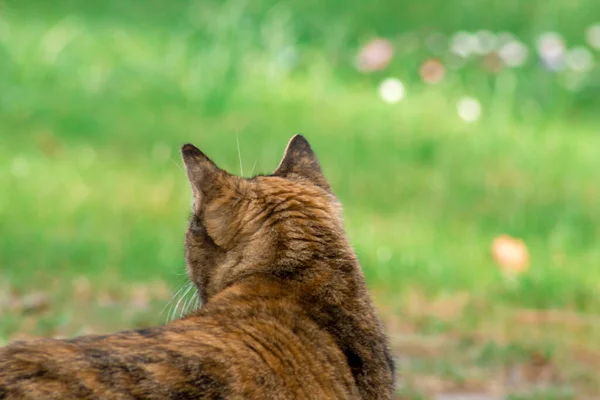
{"x": 97, "y": 96}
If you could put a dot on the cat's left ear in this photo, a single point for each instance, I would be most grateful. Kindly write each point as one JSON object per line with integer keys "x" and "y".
{"x": 204, "y": 175}
{"x": 299, "y": 160}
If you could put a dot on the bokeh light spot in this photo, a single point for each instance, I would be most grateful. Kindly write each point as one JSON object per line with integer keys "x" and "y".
{"x": 469, "y": 109}
{"x": 391, "y": 90}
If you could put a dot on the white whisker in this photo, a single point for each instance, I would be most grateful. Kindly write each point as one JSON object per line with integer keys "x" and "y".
{"x": 237, "y": 139}
{"x": 179, "y": 300}
{"x": 192, "y": 303}
{"x": 254, "y": 166}
{"x": 174, "y": 162}
{"x": 184, "y": 308}
{"x": 181, "y": 287}
{"x": 187, "y": 290}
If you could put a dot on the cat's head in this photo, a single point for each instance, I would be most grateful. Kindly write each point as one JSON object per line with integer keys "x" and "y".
{"x": 270, "y": 224}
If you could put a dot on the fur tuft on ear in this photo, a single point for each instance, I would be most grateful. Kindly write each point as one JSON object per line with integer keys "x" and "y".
{"x": 300, "y": 160}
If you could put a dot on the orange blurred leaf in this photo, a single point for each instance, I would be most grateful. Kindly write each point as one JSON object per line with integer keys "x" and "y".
{"x": 510, "y": 254}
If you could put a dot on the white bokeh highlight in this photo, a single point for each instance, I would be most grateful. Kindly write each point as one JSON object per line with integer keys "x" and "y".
{"x": 579, "y": 59}
{"x": 592, "y": 36}
{"x": 469, "y": 109}
{"x": 391, "y": 90}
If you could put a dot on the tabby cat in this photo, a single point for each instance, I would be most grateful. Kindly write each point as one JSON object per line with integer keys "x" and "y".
{"x": 285, "y": 314}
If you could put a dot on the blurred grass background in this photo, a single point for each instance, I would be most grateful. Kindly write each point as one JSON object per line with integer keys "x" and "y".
{"x": 96, "y": 98}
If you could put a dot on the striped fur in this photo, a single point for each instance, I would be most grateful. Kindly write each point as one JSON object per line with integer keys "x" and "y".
{"x": 285, "y": 315}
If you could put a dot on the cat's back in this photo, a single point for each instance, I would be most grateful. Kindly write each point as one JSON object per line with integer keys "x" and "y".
{"x": 279, "y": 352}
{"x": 260, "y": 348}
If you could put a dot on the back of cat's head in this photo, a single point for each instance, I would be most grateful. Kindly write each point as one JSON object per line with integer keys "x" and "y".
{"x": 240, "y": 226}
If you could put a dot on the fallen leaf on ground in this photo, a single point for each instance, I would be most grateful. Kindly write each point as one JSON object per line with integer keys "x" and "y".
{"x": 510, "y": 254}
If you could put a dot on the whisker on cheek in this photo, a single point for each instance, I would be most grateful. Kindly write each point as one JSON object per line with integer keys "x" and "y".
{"x": 188, "y": 287}
{"x": 169, "y": 304}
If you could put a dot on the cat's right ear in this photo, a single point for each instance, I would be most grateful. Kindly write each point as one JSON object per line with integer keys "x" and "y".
{"x": 299, "y": 160}
{"x": 202, "y": 172}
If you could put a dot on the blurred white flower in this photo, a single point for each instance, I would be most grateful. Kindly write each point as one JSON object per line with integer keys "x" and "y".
{"x": 592, "y": 36}
{"x": 486, "y": 42}
{"x": 464, "y": 44}
{"x": 513, "y": 53}
{"x": 436, "y": 43}
{"x": 551, "y": 48}
{"x": 469, "y": 109}
{"x": 391, "y": 90}
{"x": 579, "y": 59}
{"x": 375, "y": 55}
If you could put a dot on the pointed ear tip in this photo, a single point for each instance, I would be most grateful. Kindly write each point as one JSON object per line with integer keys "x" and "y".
{"x": 189, "y": 150}
{"x": 298, "y": 140}
{"x": 298, "y": 136}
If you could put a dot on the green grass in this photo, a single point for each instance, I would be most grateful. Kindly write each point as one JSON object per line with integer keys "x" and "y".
{"x": 96, "y": 99}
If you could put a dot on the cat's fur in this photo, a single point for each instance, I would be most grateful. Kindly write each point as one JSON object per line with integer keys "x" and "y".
{"x": 285, "y": 315}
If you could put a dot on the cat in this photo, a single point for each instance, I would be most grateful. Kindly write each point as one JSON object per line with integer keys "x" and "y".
{"x": 285, "y": 310}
